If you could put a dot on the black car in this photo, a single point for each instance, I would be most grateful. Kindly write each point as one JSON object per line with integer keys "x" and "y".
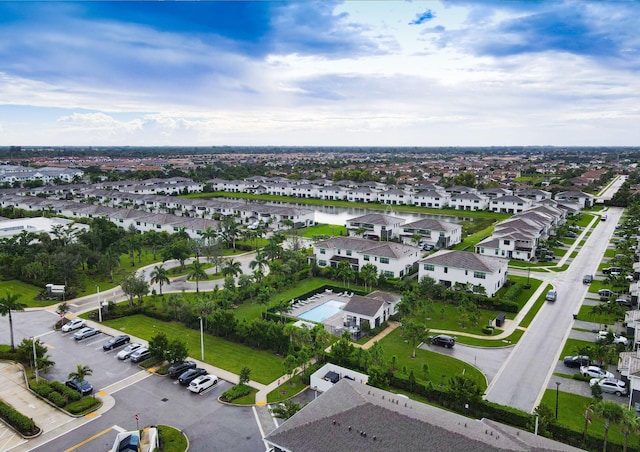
{"x": 83, "y": 387}
{"x": 116, "y": 341}
{"x": 587, "y": 279}
{"x": 443, "y": 340}
{"x": 178, "y": 369}
{"x": 576, "y": 361}
{"x": 190, "y": 375}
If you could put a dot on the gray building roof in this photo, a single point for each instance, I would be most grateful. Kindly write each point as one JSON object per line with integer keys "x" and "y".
{"x": 352, "y": 416}
{"x": 365, "y": 306}
{"x": 466, "y": 260}
{"x": 377, "y": 218}
{"x": 432, "y": 225}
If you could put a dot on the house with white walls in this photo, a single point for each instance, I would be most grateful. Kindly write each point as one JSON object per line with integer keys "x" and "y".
{"x": 375, "y": 226}
{"x": 438, "y": 233}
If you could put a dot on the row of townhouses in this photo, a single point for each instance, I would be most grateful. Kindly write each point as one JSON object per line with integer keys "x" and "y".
{"x": 10, "y": 174}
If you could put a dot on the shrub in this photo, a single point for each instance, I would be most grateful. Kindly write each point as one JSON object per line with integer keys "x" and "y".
{"x": 42, "y": 389}
{"x": 235, "y": 392}
{"x": 487, "y": 330}
{"x": 82, "y": 405}
{"x": 67, "y": 392}
{"x": 57, "y": 398}
{"x": 17, "y": 420}
{"x": 581, "y": 378}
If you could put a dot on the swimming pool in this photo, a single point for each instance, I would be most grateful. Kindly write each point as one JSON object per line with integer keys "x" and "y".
{"x": 323, "y": 311}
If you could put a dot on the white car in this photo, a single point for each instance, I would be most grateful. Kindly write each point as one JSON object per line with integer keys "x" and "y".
{"x": 73, "y": 325}
{"x": 128, "y": 350}
{"x": 610, "y": 385}
{"x": 594, "y": 372}
{"x": 617, "y": 339}
{"x": 202, "y": 382}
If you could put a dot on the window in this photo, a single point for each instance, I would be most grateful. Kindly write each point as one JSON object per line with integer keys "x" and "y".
{"x": 429, "y": 267}
{"x": 384, "y": 260}
{"x": 507, "y": 242}
{"x": 446, "y": 270}
{"x": 322, "y": 263}
{"x": 480, "y": 275}
{"x": 366, "y": 258}
{"x": 348, "y": 252}
{"x": 387, "y": 274}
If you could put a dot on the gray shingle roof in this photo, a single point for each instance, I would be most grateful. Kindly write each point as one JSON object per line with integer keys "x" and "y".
{"x": 466, "y": 260}
{"x": 431, "y": 224}
{"x": 365, "y": 306}
{"x": 377, "y": 218}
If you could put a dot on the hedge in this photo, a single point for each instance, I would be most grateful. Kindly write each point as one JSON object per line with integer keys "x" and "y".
{"x": 57, "y": 399}
{"x": 70, "y": 394}
{"x": 17, "y": 420}
{"x": 82, "y": 405}
{"x": 235, "y": 392}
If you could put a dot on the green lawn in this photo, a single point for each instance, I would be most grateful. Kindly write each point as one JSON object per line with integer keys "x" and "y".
{"x": 585, "y": 219}
{"x": 27, "y": 293}
{"x": 572, "y": 346}
{"x": 528, "y": 318}
{"x": 571, "y": 409}
{"x": 172, "y": 439}
{"x": 512, "y": 339}
{"x": 323, "y": 229}
{"x": 440, "y": 366}
{"x": 265, "y": 366}
{"x": 586, "y": 315}
{"x": 286, "y": 390}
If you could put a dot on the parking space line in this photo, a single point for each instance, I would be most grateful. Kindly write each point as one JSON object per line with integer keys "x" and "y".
{"x": 88, "y": 440}
{"x": 37, "y": 336}
{"x": 255, "y": 414}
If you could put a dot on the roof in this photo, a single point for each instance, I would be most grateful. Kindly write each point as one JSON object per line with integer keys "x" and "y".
{"x": 370, "y": 247}
{"x": 377, "y": 218}
{"x": 431, "y": 224}
{"x": 466, "y": 260}
{"x": 365, "y": 306}
{"x": 357, "y": 417}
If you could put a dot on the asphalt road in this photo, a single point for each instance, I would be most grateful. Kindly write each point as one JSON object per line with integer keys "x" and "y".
{"x": 523, "y": 378}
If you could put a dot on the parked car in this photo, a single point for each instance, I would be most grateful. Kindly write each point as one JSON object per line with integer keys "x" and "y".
{"x": 617, "y": 339}
{"x": 605, "y": 293}
{"x": 115, "y": 342}
{"x": 624, "y": 301}
{"x": 610, "y": 385}
{"x": 595, "y": 372}
{"x": 615, "y": 271}
{"x": 572, "y": 235}
{"x": 202, "y": 382}
{"x": 576, "y": 361}
{"x": 83, "y": 387}
{"x": 587, "y": 279}
{"x": 73, "y": 325}
{"x": 428, "y": 247}
{"x": 190, "y": 375}
{"x": 128, "y": 350}
{"x": 85, "y": 333}
{"x": 140, "y": 355}
{"x": 178, "y": 369}
{"x": 552, "y": 295}
{"x": 443, "y": 340}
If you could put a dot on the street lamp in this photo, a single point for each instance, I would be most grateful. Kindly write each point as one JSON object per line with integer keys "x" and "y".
{"x": 99, "y": 304}
{"x": 201, "y": 340}
{"x": 35, "y": 357}
{"x": 557, "y": 393}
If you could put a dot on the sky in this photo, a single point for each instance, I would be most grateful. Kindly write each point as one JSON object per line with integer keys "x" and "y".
{"x": 326, "y": 73}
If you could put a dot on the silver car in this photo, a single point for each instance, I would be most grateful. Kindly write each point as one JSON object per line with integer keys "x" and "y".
{"x": 85, "y": 333}
{"x": 610, "y": 385}
{"x": 128, "y": 350}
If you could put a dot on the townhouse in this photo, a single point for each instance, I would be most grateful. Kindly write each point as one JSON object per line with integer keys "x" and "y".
{"x": 438, "y": 233}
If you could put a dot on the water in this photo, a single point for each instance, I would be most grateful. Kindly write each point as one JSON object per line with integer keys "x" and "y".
{"x": 323, "y": 311}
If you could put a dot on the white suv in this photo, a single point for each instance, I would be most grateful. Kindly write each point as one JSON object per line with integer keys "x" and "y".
{"x": 617, "y": 339}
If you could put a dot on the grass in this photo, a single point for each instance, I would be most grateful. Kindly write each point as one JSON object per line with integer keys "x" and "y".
{"x": 524, "y": 296}
{"x": 451, "y": 316}
{"x": 27, "y": 293}
{"x": 476, "y": 342}
{"x": 528, "y": 318}
{"x": 572, "y": 346}
{"x": 249, "y": 399}
{"x": 585, "y": 314}
{"x": 469, "y": 242}
{"x": 323, "y": 229}
{"x": 172, "y": 439}
{"x": 441, "y": 367}
{"x": 286, "y": 390}
{"x": 571, "y": 409}
{"x": 227, "y": 355}
{"x": 585, "y": 219}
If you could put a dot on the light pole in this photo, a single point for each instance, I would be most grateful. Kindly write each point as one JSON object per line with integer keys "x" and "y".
{"x": 201, "y": 340}
{"x": 35, "y": 357}
{"x": 557, "y": 394}
{"x": 99, "y": 304}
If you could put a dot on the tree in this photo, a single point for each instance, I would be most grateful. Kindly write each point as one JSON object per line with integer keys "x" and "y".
{"x": 231, "y": 268}
{"x": 197, "y": 273}
{"x": 10, "y": 303}
{"x": 62, "y": 309}
{"x": 245, "y": 373}
{"x": 158, "y": 346}
{"x": 464, "y": 390}
{"x": 178, "y": 249}
{"x": 24, "y": 354}
{"x": 134, "y": 286}
{"x": 80, "y": 373}
{"x": 546, "y": 417}
{"x": 344, "y": 271}
{"x": 414, "y": 332}
{"x": 630, "y": 423}
{"x": 369, "y": 275}
{"x": 176, "y": 351}
{"x": 290, "y": 364}
{"x": 286, "y": 409}
{"x": 258, "y": 265}
{"x": 160, "y": 275}
{"x": 610, "y": 412}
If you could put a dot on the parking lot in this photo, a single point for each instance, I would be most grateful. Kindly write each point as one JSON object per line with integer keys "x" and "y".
{"x": 209, "y": 424}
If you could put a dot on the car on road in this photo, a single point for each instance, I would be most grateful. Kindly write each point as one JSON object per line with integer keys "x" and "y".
{"x": 576, "y": 361}
{"x": 85, "y": 333}
{"x": 140, "y": 355}
{"x": 202, "y": 382}
{"x": 117, "y": 341}
{"x": 128, "y": 350}
{"x": 83, "y": 387}
{"x": 603, "y": 217}
{"x": 178, "y": 369}
{"x": 190, "y": 375}
{"x": 73, "y": 325}
{"x": 595, "y": 372}
{"x": 552, "y": 295}
{"x": 610, "y": 385}
{"x": 443, "y": 340}
{"x": 587, "y": 279}
{"x": 616, "y": 338}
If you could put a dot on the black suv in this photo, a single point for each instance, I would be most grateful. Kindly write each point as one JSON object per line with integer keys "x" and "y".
{"x": 443, "y": 340}
{"x": 83, "y": 387}
{"x": 178, "y": 369}
{"x": 190, "y": 375}
{"x": 576, "y": 361}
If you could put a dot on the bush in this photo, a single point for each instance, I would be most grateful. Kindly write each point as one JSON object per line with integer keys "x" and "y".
{"x": 82, "y": 405}
{"x": 57, "y": 398}
{"x": 581, "y": 378}
{"x": 66, "y": 391}
{"x": 17, "y": 420}
{"x": 487, "y": 330}
{"x": 42, "y": 389}
{"x": 235, "y": 392}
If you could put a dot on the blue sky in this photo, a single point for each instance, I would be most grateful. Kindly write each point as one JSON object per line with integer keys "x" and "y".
{"x": 353, "y": 73}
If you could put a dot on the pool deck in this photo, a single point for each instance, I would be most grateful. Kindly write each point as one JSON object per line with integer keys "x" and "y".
{"x": 333, "y": 322}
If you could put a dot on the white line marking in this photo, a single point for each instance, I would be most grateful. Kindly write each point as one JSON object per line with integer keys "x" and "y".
{"x": 255, "y": 414}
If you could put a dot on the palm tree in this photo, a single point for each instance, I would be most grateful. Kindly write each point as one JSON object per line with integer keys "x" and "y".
{"x": 629, "y": 423}
{"x": 258, "y": 265}
{"x": 80, "y": 373}
{"x": 159, "y": 275}
{"x": 231, "y": 268}
{"x": 609, "y": 412}
{"x": 10, "y": 303}
{"x": 198, "y": 273}
{"x": 369, "y": 275}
